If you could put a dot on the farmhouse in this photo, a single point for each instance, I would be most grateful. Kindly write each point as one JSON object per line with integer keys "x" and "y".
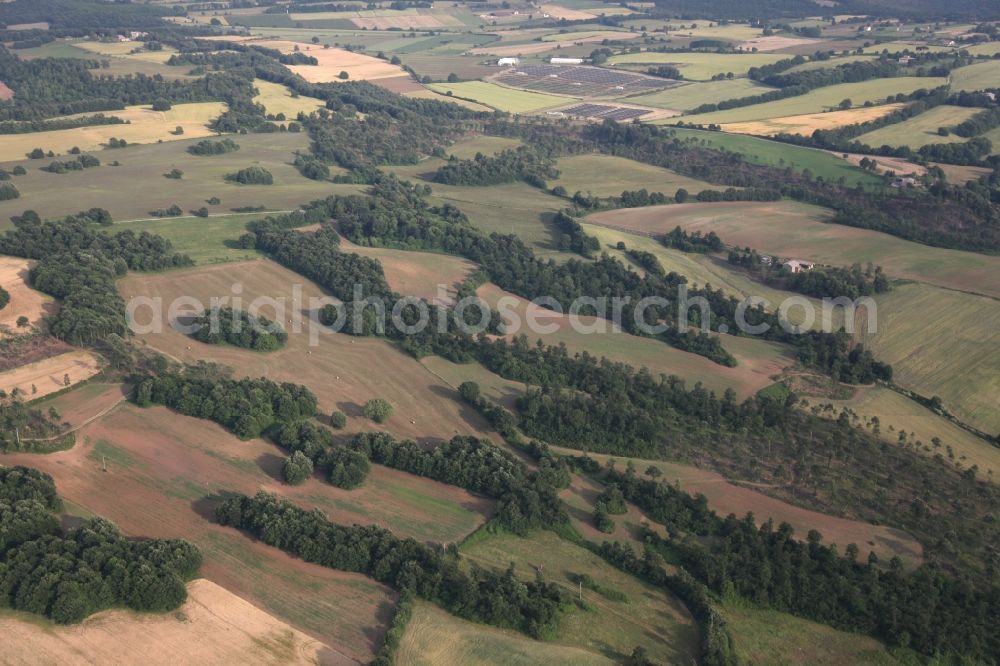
{"x": 797, "y": 265}
{"x": 507, "y": 62}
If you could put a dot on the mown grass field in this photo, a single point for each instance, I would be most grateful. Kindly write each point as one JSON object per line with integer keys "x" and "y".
{"x": 904, "y": 414}
{"x": 606, "y": 175}
{"x": 343, "y": 371}
{"x": 699, "y": 269}
{"x": 649, "y": 616}
{"x": 700, "y": 66}
{"x": 501, "y": 98}
{"x": 434, "y": 637}
{"x": 807, "y": 123}
{"x": 481, "y": 143}
{"x": 207, "y": 240}
{"x": 56, "y": 195}
{"x": 144, "y": 126}
{"x": 922, "y": 129}
{"x": 277, "y": 98}
{"x": 830, "y": 63}
{"x": 790, "y": 229}
{"x": 820, "y": 99}
{"x": 770, "y": 637}
{"x": 757, "y": 360}
{"x": 690, "y": 95}
{"x": 945, "y": 343}
{"x": 772, "y": 153}
{"x": 425, "y": 93}
{"x": 979, "y": 76}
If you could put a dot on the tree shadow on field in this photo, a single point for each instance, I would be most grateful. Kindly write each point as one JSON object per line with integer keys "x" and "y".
{"x": 547, "y": 221}
{"x": 468, "y": 414}
{"x": 383, "y": 615}
{"x": 206, "y": 506}
{"x": 270, "y": 464}
{"x": 351, "y": 409}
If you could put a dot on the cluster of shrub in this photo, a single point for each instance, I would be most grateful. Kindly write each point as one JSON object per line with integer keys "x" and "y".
{"x": 211, "y": 147}
{"x": 79, "y": 164}
{"x": 32, "y": 126}
{"x": 67, "y": 575}
{"x": 238, "y": 328}
{"x": 679, "y": 239}
{"x": 252, "y": 175}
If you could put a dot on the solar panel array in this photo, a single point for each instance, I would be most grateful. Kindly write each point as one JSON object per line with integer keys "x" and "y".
{"x": 618, "y": 113}
{"x": 581, "y": 80}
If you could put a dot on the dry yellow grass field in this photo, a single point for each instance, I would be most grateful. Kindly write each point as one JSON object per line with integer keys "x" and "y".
{"x": 333, "y": 61}
{"x": 145, "y": 126}
{"x": 773, "y": 43}
{"x": 277, "y": 98}
{"x": 808, "y": 123}
{"x": 343, "y": 371}
{"x": 436, "y": 638}
{"x": 214, "y": 626}
{"x": 559, "y": 12}
{"x": 38, "y": 379}
{"x": 24, "y": 301}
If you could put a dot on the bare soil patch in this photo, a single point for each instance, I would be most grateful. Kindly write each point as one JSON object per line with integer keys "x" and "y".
{"x": 5, "y": 92}
{"x": 214, "y": 626}
{"x": 333, "y": 61}
{"x": 38, "y": 379}
{"x": 400, "y": 84}
{"x": 24, "y": 301}
{"x": 404, "y": 22}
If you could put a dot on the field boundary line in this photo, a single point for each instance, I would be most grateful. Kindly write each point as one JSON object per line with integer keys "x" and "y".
{"x": 210, "y": 215}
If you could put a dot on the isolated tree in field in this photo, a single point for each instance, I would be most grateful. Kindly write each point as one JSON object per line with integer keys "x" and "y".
{"x": 613, "y": 499}
{"x": 8, "y": 192}
{"x": 297, "y": 468}
{"x": 845, "y": 104}
{"x": 453, "y": 78}
{"x": 378, "y": 410}
{"x": 161, "y": 105}
{"x": 343, "y": 76}
{"x": 174, "y": 174}
{"x": 602, "y": 521}
{"x": 681, "y": 196}
{"x": 22, "y": 321}
{"x": 338, "y": 419}
{"x": 178, "y": 131}
{"x": 19, "y": 170}
{"x": 37, "y": 154}
{"x": 469, "y": 392}
{"x": 255, "y": 175}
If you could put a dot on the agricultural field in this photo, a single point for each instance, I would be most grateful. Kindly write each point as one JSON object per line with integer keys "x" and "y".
{"x": 24, "y": 301}
{"x": 944, "y": 343}
{"x": 605, "y": 176}
{"x": 207, "y": 240}
{"x": 829, "y": 63}
{"x": 733, "y": 497}
{"x": 436, "y": 638}
{"x": 648, "y": 616}
{"x": 342, "y": 370}
{"x": 431, "y": 276}
{"x": 897, "y": 413}
{"x": 144, "y": 126}
{"x": 901, "y": 47}
{"x": 772, "y": 153}
{"x": 700, "y": 66}
{"x": 39, "y": 379}
{"x": 986, "y": 48}
{"x": 796, "y": 230}
{"x": 424, "y": 93}
{"x": 757, "y": 361}
{"x": 203, "y": 178}
{"x": 690, "y": 95}
{"x": 820, "y": 99}
{"x": 466, "y": 149}
{"x": 213, "y": 626}
{"x": 979, "y": 76}
{"x": 85, "y": 402}
{"x": 763, "y": 636}
{"x": 699, "y": 269}
{"x": 163, "y": 471}
{"x": 131, "y": 50}
{"x": 922, "y": 129}
{"x": 808, "y": 123}
{"x": 333, "y": 61}
{"x": 500, "y": 97}
{"x": 777, "y": 43}
{"x": 277, "y": 98}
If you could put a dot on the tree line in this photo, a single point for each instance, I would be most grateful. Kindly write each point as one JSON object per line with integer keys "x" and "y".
{"x": 238, "y": 328}
{"x": 246, "y": 407}
{"x": 428, "y": 572}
